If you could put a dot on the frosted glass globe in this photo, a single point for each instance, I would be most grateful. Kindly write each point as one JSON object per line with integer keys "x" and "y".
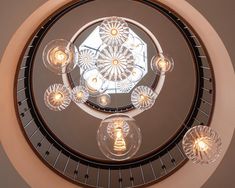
{"x": 202, "y": 144}
{"x": 57, "y": 97}
{"x": 60, "y": 56}
{"x": 118, "y": 137}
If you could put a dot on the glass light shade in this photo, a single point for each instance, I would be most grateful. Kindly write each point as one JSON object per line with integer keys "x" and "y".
{"x": 136, "y": 74}
{"x": 125, "y": 86}
{"x": 161, "y": 64}
{"x": 115, "y": 63}
{"x": 143, "y": 97}
{"x": 60, "y": 56}
{"x": 79, "y": 94}
{"x": 94, "y": 82}
{"x": 118, "y": 137}
{"x": 114, "y": 31}
{"x": 202, "y": 144}
{"x": 104, "y": 100}
{"x": 86, "y": 59}
{"x": 57, "y": 97}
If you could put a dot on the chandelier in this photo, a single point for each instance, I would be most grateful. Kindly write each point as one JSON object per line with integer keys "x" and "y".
{"x": 112, "y": 64}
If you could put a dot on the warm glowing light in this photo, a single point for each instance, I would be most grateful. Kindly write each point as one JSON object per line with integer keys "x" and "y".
{"x": 104, "y": 99}
{"x": 57, "y": 97}
{"x": 202, "y": 144}
{"x": 162, "y": 64}
{"x": 60, "y": 56}
{"x": 115, "y": 62}
{"x": 143, "y": 97}
{"x": 118, "y": 137}
{"x": 114, "y": 32}
{"x": 119, "y": 143}
{"x": 79, "y": 94}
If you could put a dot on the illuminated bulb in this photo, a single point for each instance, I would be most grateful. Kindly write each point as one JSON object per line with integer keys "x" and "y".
{"x": 119, "y": 143}
{"x": 60, "y": 56}
{"x": 162, "y": 64}
{"x": 79, "y": 94}
{"x": 143, "y": 97}
{"x": 115, "y": 62}
{"x": 57, "y": 97}
{"x": 104, "y": 99}
{"x": 94, "y": 82}
{"x": 118, "y": 137}
{"x": 202, "y": 144}
{"x": 114, "y": 32}
{"x": 136, "y": 74}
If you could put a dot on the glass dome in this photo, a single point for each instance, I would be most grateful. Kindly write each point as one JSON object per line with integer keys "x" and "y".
{"x": 60, "y": 56}
{"x": 79, "y": 94}
{"x": 57, "y": 97}
{"x": 143, "y": 97}
{"x": 202, "y": 144}
{"x": 161, "y": 64}
{"x": 118, "y": 137}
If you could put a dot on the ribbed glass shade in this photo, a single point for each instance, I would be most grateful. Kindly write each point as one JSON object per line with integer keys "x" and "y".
{"x": 114, "y": 31}
{"x": 143, "y": 97}
{"x": 60, "y": 56}
{"x": 161, "y": 64}
{"x": 57, "y": 97}
{"x": 119, "y": 137}
{"x": 86, "y": 59}
{"x": 79, "y": 94}
{"x": 125, "y": 86}
{"x": 202, "y": 144}
{"x": 115, "y": 63}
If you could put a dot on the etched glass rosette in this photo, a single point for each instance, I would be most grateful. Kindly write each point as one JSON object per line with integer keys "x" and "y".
{"x": 57, "y": 97}
{"x": 115, "y": 63}
{"x": 114, "y": 31}
{"x": 202, "y": 144}
{"x": 143, "y": 97}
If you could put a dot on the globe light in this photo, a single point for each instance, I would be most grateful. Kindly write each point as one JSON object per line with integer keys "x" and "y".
{"x": 143, "y": 97}
{"x": 136, "y": 74}
{"x": 161, "y": 64}
{"x": 57, "y": 97}
{"x": 125, "y": 86}
{"x": 86, "y": 59}
{"x": 202, "y": 144}
{"x": 94, "y": 82}
{"x": 60, "y": 56}
{"x": 114, "y": 31}
{"x": 79, "y": 94}
{"x": 104, "y": 100}
{"x": 115, "y": 63}
{"x": 118, "y": 137}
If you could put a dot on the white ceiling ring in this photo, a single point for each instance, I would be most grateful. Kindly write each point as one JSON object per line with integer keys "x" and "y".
{"x": 30, "y": 166}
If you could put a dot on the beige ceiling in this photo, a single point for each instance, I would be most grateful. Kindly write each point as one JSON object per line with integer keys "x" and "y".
{"x": 219, "y": 13}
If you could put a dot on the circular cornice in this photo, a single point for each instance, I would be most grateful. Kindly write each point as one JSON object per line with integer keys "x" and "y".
{"x": 16, "y": 143}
